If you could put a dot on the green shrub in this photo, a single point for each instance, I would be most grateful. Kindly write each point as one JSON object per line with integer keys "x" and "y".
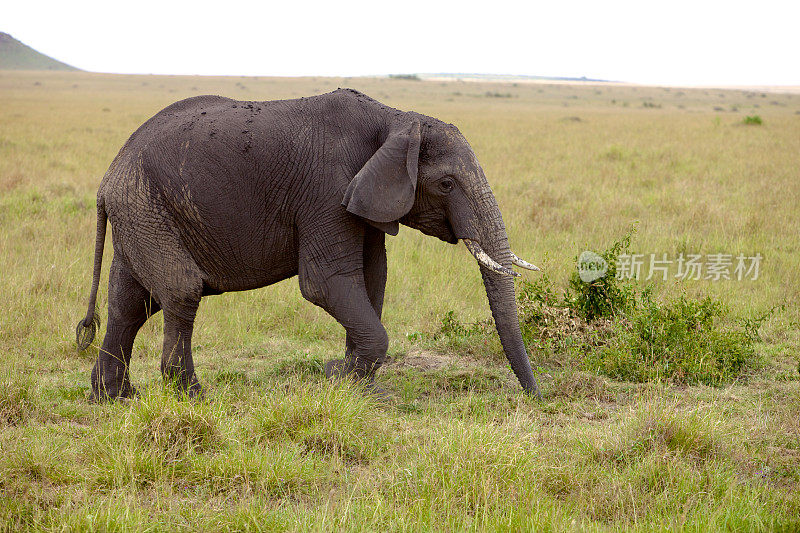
{"x": 455, "y": 332}
{"x": 581, "y": 317}
{"x": 451, "y": 327}
{"x": 753, "y": 120}
{"x": 534, "y": 297}
{"x": 612, "y": 327}
{"x": 679, "y": 341}
{"x": 606, "y": 296}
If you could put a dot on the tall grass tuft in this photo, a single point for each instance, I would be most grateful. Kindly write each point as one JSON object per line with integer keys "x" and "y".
{"x": 156, "y": 438}
{"x": 18, "y": 401}
{"x": 172, "y": 427}
{"x": 323, "y": 418}
{"x": 475, "y": 471}
{"x": 662, "y": 428}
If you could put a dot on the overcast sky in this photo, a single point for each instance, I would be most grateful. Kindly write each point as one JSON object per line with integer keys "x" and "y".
{"x": 661, "y": 42}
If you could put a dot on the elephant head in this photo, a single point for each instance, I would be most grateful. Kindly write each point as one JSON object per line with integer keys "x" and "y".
{"x": 426, "y": 176}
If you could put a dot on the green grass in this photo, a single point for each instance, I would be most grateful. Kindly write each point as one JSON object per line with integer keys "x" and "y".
{"x": 753, "y": 120}
{"x": 457, "y": 447}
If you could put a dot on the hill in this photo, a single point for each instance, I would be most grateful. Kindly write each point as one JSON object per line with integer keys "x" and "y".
{"x": 15, "y": 55}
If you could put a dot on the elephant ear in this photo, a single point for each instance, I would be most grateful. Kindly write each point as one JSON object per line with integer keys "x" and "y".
{"x": 383, "y": 190}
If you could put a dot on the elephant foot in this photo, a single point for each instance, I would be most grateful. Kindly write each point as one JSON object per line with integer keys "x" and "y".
{"x": 339, "y": 369}
{"x": 111, "y": 382}
{"x": 125, "y": 392}
{"x": 193, "y": 390}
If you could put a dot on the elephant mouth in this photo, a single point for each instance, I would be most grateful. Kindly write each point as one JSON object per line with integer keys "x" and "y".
{"x": 487, "y": 261}
{"x": 450, "y": 236}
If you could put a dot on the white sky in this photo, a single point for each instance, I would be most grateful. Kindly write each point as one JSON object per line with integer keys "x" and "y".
{"x": 692, "y": 42}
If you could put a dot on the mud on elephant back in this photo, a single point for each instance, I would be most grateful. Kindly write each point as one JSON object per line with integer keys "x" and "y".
{"x": 214, "y": 195}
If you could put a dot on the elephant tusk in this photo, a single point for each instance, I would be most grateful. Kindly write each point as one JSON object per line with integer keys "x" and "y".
{"x": 524, "y": 264}
{"x": 484, "y": 259}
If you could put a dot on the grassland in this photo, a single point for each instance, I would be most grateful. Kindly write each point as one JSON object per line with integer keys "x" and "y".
{"x": 458, "y": 447}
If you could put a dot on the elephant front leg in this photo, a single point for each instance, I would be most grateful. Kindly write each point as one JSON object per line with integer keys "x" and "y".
{"x": 366, "y": 338}
{"x": 343, "y": 295}
{"x": 374, "y": 261}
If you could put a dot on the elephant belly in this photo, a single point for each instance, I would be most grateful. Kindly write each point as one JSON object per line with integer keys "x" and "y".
{"x": 240, "y": 235}
{"x": 234, "y": 250}
{"x": 244, "y": 260}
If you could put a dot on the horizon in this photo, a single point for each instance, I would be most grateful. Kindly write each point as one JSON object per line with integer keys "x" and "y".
{"x": 679, "y": 44}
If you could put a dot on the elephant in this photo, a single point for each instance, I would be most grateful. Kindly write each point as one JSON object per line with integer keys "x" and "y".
{"x": 213, "y": 195}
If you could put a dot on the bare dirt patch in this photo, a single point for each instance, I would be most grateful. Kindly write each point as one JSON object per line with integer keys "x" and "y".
{"x": 429, "y": 360}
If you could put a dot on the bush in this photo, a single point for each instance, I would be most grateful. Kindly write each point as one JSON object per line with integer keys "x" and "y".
{"x": 753, "y": 120}
{"x": 581, "y": 318}
{"x": 612, "y": 327}
{"x": 412, "y": 77}
{"x": 452, "y": 328}
{"x": 606, "y": 296}
{"x": 677, "y": 341}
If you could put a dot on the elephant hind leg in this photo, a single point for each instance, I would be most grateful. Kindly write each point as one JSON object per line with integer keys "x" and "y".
{"x": 146, "y": 234}
{"x": 129, "y": 307}
{"x": 177, "y": 365}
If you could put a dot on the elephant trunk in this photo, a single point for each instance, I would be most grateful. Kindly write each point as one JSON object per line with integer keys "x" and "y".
{"x": 500, "y": 292}
{"x": 500, "y": 289}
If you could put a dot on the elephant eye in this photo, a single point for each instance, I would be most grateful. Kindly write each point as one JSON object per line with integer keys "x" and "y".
{"x": 446, "y": 185}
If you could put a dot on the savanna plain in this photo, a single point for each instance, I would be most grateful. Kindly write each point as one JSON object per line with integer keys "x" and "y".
{"x": 705, "y": 443}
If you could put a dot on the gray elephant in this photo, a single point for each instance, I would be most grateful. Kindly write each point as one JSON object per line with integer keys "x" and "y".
{"x": 214, "y": 195}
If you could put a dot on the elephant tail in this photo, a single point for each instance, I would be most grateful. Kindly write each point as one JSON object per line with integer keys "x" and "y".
{"x": 87, "y": 328}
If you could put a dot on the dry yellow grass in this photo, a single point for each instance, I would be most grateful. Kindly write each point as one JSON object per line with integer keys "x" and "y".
{"x": 572, "y": 166}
